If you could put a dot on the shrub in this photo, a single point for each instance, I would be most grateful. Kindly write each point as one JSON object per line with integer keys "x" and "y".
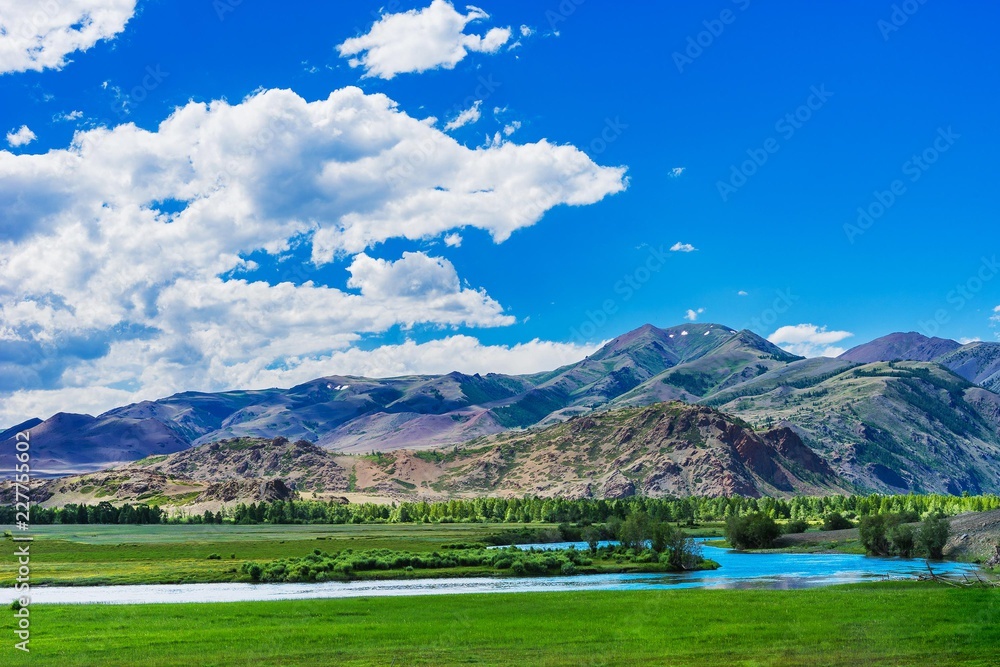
{"x": 796, "y": 526}
{"x": 836, "y": 521}
{"x": 568, "y": 569}
{"x": 752, "y": 531}
{"x": 214, "y": 557}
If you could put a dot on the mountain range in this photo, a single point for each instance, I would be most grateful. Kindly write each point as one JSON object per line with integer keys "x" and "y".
{"x": 902, "y": 413}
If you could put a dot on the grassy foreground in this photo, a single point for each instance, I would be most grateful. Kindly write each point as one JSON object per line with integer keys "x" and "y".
{"x": 872, "y": 624}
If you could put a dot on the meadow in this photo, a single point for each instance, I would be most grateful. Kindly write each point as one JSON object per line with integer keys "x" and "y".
{"x": 145, "y": 554}
{"x": 875, "y": 624}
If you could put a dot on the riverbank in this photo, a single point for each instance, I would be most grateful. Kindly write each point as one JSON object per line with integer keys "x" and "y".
{"x": 893, "y": 623}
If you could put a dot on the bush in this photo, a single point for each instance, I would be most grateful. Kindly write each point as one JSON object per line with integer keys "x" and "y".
{"x": 797, "y": 526}
{"x": 214, "y": 557}
{"x": 568, "y": 569}
{"x": 836, "y": 521}
{"x": 752, "y": 531}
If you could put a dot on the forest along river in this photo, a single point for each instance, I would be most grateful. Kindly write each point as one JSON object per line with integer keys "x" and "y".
{"x": 738, "y": 570}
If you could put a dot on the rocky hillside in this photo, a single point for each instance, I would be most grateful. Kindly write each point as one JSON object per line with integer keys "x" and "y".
{"x": 300, "y": 464}
{"x": 667, "y": 449}
{"x": 893, "y": 427}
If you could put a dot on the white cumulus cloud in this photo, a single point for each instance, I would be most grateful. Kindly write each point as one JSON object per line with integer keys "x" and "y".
{"x": 682, "y": 247}
{"x": 419, "y": 40}
{"x": 35, "y": 36}
{"x": 20, "y": 137}
{"x": 146, "y": 287}
{"x": 809, "y": 340}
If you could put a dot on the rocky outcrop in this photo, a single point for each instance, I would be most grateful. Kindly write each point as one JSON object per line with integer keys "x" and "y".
{"x": 617, "y": 485}
{"x": 247, "y": 490}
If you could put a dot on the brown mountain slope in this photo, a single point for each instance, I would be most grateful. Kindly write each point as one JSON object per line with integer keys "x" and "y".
{"x": 659, "y": 450}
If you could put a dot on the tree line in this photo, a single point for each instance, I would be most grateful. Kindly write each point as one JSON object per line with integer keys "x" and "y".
{"x": 529, "y": 509}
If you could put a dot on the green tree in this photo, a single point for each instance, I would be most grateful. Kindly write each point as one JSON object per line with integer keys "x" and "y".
{"x": 933, "y": 535}
{"x": 634, "y": 531}
{"x": 903, "y": 538}
{"x": 873, "y": 532}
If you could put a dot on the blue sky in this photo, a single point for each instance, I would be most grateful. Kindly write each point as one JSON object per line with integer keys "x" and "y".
{"x": 821, "y": 170}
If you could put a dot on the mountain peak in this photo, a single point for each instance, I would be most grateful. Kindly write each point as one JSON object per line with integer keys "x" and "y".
{"x": 909, "y": 346}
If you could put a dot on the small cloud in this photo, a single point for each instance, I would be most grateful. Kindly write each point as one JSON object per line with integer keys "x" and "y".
{"x": 419, "y": 40}
{"x": 677, "y": 171}
{"x": 966, "y": 341}
{"x": 527, "y": 31}
{"x": 453, "y": 240}
{"x": 809, "y": 340}
{"x": 742, "y": 293}
{"x": 21, "y": 137}
{"x": 467, "y": 117}
{"x": 511, "y": 127}
{"x": 682, "y": 247}
{"x": 72, "y": 115}
{"x": 692, "y": 315}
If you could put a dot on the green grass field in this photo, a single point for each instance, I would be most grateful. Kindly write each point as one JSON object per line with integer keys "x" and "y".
{"x": 148, "y": 554}
{"x": 873, "y": 624}
{"x": 110, "y": 554}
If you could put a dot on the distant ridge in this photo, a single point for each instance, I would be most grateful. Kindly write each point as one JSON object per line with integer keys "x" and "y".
{"x": 903, "y": 413}
{"x": 910, "y": 346}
